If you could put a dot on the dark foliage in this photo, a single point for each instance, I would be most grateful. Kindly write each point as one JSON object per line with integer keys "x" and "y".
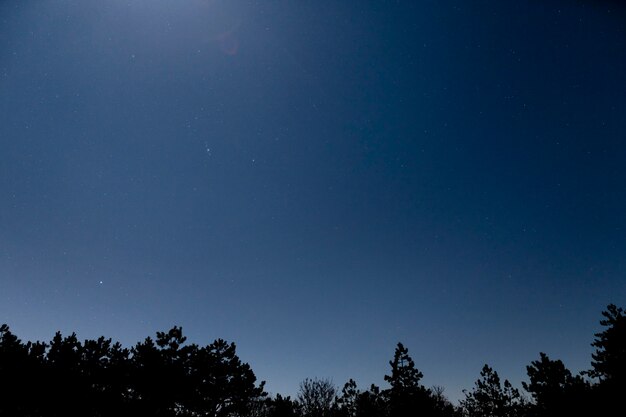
{"x": 492, "y": 398}
{"x": 609, "y": 360}
{"x": 317, "y": 398}
{"x": 167, "y": 377}
{"x": 555, "y": 391}
{"x": 280, "y": 406}
{"x": 406, "y": 394}
{"x": 98, "y": 378}
{"x": 371, "y": 403}
{"x": 609, "y": 363}
{"x": 348, "y": 403}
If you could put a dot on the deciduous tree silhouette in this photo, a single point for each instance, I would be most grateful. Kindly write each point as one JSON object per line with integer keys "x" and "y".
{"x": 317, "y": 398}
{"x": 442, "y": 407}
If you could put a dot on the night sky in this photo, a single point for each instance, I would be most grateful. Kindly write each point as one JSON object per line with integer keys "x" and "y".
{"x": 317, "y": 180}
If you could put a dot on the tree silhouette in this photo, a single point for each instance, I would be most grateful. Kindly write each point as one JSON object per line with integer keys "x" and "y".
{"x": 404, "y": 378}
{"x": 116, "y": 382}
{"x": 372, "y": 403}
{"x": 554, "y": 389}
{"x": 317, "y": 397}
{"x": 93, "y": 365}
{"x": 66, "y": 380}
{"x": 348, "y": 401}
{"x": 19, "y": 364}
{"x": 280, "y": 406}
{"x": 406, "y": 395}
{"x": 220, "y": 384}
{"x": 442, "y": 407}
{"x": 149, "y": 387}
{"x": 609, "y": 359}
{"x": 165, "y": 377}
{"x": 491, "y": 398}
{"x": 609, "y": 363}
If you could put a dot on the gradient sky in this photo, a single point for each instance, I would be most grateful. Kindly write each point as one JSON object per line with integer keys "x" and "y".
{"x": 317, "y": 180}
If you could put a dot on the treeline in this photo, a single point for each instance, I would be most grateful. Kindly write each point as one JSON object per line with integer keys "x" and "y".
{"x": 167, "y": 377}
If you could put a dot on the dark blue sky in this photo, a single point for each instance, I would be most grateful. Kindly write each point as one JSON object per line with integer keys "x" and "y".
{"x": 317, "y": 180}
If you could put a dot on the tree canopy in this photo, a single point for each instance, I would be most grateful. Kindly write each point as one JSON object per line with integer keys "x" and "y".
{"x": 166, "y": 376}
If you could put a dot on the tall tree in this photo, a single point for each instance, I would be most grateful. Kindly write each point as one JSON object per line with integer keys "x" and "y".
{"x": 609, "y": 359}
{"x": 405, "y": 377}
{"x": 406, "y": 395}
{"x": 609, "y": 363}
